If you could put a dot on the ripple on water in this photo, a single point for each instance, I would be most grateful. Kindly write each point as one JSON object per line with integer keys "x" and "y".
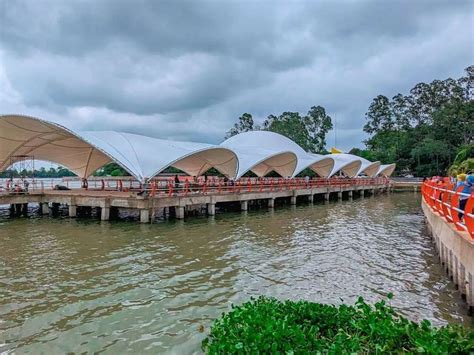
{"x": 72, "y": 285}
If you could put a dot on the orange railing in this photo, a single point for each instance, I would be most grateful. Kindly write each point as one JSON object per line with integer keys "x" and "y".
{"x": 167, "y": 187}
{"x": 214, "y": 185}
{"x": 441, "y": 196}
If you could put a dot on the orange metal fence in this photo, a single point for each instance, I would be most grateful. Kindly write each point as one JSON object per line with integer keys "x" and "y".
{"x": 186, "y": 185}
{"x": 441, "y": 196}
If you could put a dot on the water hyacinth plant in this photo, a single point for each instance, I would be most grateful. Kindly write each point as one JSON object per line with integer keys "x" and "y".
{"x": 267, "y": 325}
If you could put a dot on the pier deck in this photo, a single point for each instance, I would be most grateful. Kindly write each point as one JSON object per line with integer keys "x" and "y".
{"x": 182, "y": 199}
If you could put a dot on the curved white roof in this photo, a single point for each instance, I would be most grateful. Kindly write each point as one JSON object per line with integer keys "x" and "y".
{"x": 347, "y": 163}
{"x": 366, "y": 167}
{"x": 84, "y": 152}
{"x": 260, "y": 147}
{"x": 386, "y": 170}
{"x": 144, "y": 157}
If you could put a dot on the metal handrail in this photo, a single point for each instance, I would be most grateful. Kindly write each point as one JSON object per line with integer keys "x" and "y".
{"x": 189, "y": 186}
{"x": 440, "y": 195}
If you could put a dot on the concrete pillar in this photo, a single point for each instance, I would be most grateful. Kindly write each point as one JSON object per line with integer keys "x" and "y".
{"x": 293, "y": 200}
{"x": 462, "y": 280}
{"x": 144, "y": 215}
{"x": 244, "y": 205}
{"x": 44, "y": 208}
{"x": 442, "y": 255}
{"x": 362, "y": 193}
{"x": 211, "y": 209}
{"x": 104, "y": 213}
{"x": 326, "y": 196}
{"x": 470, "y": 292}
{"x": 450, "y": 264}
{"x": 339, "y": 195}
{"x": 455, "y": 271}
{"x": 350, "y": 194}
{"x": 179, "y": 212}
{"x": 24, "y": 209}
{"x": 271, "y": 203}
{"x": 72, "y": 210}
{"x": 311, "y": 198}
{"x": 373, "y": 192}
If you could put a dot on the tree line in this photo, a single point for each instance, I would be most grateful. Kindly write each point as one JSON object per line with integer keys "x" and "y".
{"x": 37, "y": 173}
{"x": 425, "y": 130}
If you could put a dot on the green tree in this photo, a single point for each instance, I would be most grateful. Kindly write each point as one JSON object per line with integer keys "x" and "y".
{"x": 308, "y": 131}
{"x": 318, "y": 124}
{"x": 244, "y": 124}
{"x": 291, "y": 125}
{"x": 423, "y": 130}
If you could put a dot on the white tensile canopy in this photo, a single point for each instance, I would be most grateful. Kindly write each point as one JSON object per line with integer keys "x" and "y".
{"x": 85, "y": 152}
{"x": 368, "y": 168}
{"x": 347, "y": 163}
{"x": 145, "y": 157}
{"x": 275, "y": 152}
{"x": 386, "y": 170}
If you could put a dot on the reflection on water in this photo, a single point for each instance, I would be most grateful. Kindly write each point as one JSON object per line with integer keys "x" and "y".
{"x": 81, "y": 285}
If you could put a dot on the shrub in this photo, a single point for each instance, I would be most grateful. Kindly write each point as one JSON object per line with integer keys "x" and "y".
{"x": 267, "y": 325}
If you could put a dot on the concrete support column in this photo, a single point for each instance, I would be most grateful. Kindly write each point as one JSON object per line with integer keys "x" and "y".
{"x": 24, "y": 209}
{"x": 72, "y": 210}
{"x": 339, "y": 195}
{"x": 311, "y": 198}
{"x": 326, "y": 196}
{"x": 293, "y": 200}
{"x": 373, "y": 192}
{"x": 442, "y": 255}
{"x": 455, "y": 266}
{"x": 179, "y": 212}
{"x": 451, "y": 264}
{"x": 244, "y": 206}
{"x": 362, "y": 193}
{"x": 144, "y": 215}
{"x": 462, "y": 280}
{"x": 211, "y": 209}
{"x": 470, "y": 292}
{"x": 271, "y": 203}
{"x": 350, "y": 194}
{"x": 104, "y": 213}
{"x": 44, "y": 208}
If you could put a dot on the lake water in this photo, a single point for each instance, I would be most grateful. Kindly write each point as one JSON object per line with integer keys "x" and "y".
{"x": 70, "y": 285}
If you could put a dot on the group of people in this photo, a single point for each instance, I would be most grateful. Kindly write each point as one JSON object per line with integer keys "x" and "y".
{"x": 463, "y": 184}
{"x": 19, "y": 187}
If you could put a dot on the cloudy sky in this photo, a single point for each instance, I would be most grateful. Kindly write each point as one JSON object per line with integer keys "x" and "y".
{"x": 187, "y": 69}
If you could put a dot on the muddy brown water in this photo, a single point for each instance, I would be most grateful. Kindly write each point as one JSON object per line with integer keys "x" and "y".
{"x": 72, "y": 285}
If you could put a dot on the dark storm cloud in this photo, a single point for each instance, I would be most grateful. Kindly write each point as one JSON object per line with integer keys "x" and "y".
{"x": 188, "y": 69}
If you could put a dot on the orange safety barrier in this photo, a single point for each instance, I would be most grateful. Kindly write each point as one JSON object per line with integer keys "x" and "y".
{"x": 440, "y": 195}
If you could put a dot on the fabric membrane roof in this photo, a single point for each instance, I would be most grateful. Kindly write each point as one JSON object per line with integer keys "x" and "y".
{"x": 386, "y": 170}
{"x": 83, "y": 152}
{"x": 252, "y": 148}
{"x": 346, "y": 163}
